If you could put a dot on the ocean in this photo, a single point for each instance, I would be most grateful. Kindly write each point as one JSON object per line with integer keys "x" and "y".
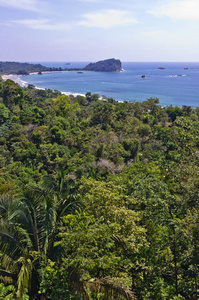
{"x": 173, "y": 83}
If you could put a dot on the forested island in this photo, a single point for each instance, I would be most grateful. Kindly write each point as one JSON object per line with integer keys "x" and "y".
{"x": 108, "y": 65}
{"x": 98, "y": 199}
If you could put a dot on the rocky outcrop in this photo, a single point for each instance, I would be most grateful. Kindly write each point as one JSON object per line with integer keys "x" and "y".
{"x": 108, "y": 65}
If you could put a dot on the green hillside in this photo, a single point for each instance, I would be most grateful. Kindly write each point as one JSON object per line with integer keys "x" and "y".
{"x": 23, "y": 68}
{"x": 98, "y": 199}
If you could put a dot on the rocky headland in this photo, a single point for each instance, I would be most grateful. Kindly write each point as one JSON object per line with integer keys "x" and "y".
{"x": 108, "y": 65}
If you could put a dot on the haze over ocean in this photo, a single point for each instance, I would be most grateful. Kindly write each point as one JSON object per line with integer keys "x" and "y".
{"x": 174, "y": 85}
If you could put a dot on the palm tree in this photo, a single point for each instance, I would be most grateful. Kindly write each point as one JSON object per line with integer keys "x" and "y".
{"x": 24, "y": 229}
{"x": 28, "y": 228}
{"x": 63, "y": 190}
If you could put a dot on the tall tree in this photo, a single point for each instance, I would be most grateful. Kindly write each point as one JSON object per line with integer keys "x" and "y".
{"x": 27, "y": 232}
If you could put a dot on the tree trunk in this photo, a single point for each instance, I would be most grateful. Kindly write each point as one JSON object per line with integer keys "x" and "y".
{"x": 34, "y": 286}
{"x": 196, "y": 285}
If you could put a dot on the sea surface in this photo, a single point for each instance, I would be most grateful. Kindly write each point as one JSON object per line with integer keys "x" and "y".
{"x": 176, "y": 83}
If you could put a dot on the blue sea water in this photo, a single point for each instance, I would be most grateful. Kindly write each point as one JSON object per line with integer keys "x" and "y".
{"x": 175, "y": 84}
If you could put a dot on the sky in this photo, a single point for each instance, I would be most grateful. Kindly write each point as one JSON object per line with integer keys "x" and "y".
{"x": 92, "y": 30}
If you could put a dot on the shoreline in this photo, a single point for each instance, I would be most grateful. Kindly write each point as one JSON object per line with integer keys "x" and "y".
{"x": 22, "y": 83}
{"x": 44, "y": 72}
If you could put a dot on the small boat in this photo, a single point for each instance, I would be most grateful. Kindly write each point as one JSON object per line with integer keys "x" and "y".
{"x": 143, "y": 76}
{"x": 79, "y": 72}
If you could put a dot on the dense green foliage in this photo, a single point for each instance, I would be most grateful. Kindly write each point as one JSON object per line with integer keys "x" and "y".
{"x": 98, "y": 199}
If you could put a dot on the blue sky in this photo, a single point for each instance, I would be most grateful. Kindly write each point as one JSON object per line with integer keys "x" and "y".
{"x": 91, "y": 30}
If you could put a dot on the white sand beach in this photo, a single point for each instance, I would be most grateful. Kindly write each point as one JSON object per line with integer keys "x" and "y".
{"x": 22, "y": 83}
{"x": 10, "y": 76}
{"x": 15, "y": 78}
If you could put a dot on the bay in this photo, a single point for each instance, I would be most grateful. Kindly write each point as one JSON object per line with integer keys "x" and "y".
{"x": 174, "y": 83}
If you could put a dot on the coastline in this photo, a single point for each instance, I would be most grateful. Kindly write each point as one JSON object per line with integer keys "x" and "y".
{"x": 22, "y": 83}
{"x": 63, "y": 71}
{"x": 10, "y": 76}
{"x": 17, "y": 79}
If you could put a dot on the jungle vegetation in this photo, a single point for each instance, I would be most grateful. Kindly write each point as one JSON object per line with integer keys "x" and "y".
{"x": 98, "y": 199}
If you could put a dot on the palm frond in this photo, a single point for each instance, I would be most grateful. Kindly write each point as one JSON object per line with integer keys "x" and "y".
{"x": 20, "y": 217}
{"x": 49, "y": 183}
{"x": 24, "y": 276}
{"x": 24, "y": 237}
{"x": 62, "y": 184}
{"x": 119, "y": 242}
{"x": 111, "y": 288}
{"x": 5, "y": 273}
{"x": 49, "y": 221}
{"x": 25, "y": 224}
{"x": 9, "y": 243}
{"x": 70, "y": 207}
{"x": 5, "y": 203}
{"x": 31, "y": 217}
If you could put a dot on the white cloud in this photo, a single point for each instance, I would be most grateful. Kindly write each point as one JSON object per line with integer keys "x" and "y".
{"x": 21, "y": 4}
{"x": 186, "y": 9}
{"x": 42, "y": 24}
{"x": 107, "y": 19}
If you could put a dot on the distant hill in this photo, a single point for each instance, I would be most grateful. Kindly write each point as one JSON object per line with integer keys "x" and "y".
{"x": 11, "y": 67}
{"x": 108, "y": 65}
